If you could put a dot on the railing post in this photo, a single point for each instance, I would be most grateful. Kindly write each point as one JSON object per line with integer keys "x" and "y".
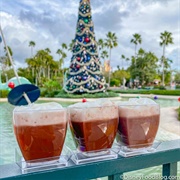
{"x": 169, "y": 171}
{"x": 116, "y": 177}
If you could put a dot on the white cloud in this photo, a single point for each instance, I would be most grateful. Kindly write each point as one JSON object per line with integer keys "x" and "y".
{"x": 52, "y": 22}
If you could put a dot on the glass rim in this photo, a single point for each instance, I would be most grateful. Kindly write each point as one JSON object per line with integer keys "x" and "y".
{"x": 26, "y": 110}
{"x": 138, "y": 105}
{"x": 88, "y": 107}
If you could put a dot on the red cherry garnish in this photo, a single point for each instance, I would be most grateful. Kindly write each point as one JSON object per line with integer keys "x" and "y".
{"x": 11, "y": 85}
{"x": 84, "y": 100}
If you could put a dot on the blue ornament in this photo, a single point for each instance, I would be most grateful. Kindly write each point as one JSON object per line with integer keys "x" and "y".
{"x": 87, "y": 85}
{"x": 88, "y": 57}
{"x": 80, "y": 39}
{"x": 155, "y": 97}
{"x": 97, "y": 77}
{"x": 84, "y": 77}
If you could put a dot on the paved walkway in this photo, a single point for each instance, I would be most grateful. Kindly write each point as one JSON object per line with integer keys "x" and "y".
{"x": 149, "y": 96}
{"x": 169, "y": 121}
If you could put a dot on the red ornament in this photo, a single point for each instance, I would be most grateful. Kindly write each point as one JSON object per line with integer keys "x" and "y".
{"x": 179, "y": 99}
{"x": 11, "y": 85}
{"x": 84, "y": 100}
{"x": 78, "y": 66}
{"x": 100, "y": 86}
{"x": 87, "y": 39}
{"x": 78, "y": 58}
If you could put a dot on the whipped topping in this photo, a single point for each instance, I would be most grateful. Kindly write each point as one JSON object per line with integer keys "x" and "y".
{"x": 39, "y": 114}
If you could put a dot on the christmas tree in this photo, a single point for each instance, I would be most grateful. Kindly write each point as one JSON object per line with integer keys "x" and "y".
{"x": 85, "y": 72}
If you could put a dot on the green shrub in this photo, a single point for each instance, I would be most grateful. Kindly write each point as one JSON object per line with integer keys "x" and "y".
{"x": 178, "y": 113}
{"x": 162, "y": 88}
{"x": 63, "y": 94}
{"x": 51, "y": 88}
{"x": 4, "y": 93}
{"x": 162, "y": 92}
{"x": 52, "y": 85}
{"x": 48, "y": 93}
{"x": 178, "y": 87}
{"x": 43, "y": 92}
{"x": 115, "y": 82}
{"x": 154, "y": 91}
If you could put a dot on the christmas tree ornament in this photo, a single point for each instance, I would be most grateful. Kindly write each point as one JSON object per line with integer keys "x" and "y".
{"x": 78, "y": 58}
{"x": 86, "y": 20}
{"x": 87, "y": 39}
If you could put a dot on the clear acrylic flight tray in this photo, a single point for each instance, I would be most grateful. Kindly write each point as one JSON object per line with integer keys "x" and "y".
{"x": 126, "y": 151}
{"x": 93, "y": 156}
{"x": 44, "y": 163}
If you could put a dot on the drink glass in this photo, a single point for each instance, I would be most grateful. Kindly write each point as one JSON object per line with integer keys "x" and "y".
{"x": 94, "y": 128}
{"x": 40, "y": 130}
{"x": 138, "y": 125}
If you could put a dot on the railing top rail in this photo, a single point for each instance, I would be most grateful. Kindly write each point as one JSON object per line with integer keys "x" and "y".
{"x": 167, "y": 152}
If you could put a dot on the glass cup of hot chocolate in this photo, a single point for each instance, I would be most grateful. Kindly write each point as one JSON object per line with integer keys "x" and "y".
{"x": 138, "y": 122}
{"x": 40, "y": 130}
{"x": 94, "y": 126}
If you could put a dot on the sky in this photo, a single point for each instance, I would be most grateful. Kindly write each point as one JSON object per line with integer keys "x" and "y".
{"x": 49, "y": 23}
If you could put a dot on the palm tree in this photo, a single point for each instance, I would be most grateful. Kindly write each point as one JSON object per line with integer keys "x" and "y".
{"x": 136, "y": 40}
{"x": 48, "y": 50}
{"x": 62, "y": 55}
{"x": 166, "y": 39}
{"x": 7, "y": 60}
{"x": 59, "y": 52}
{"x": 104, "y": 54}
{"x": 110, "y": 42}
{"x": 70, "y": 47}
{"x": 100, "y": 45}
{"x": 64, "y": 46}
{"x": 32, "y": 44}
{"x": 122, "y": 57}
{"x": 31, "y": 65}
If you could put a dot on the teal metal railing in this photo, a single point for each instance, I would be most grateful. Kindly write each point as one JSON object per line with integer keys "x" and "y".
{"x": 167, "y": 155}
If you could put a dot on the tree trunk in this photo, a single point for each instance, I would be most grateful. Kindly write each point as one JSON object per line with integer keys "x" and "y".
{"x": 109, "y": 76}
{"x": 163, "y": 65}
{"x": 48, "y": 72}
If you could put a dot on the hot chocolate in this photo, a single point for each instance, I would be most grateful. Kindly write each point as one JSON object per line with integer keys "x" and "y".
{"x": 96, "y": 135}
{"x": 40, "y": 132}
{"x": 138, "y": 125}
{"x": 94, "y": 128}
